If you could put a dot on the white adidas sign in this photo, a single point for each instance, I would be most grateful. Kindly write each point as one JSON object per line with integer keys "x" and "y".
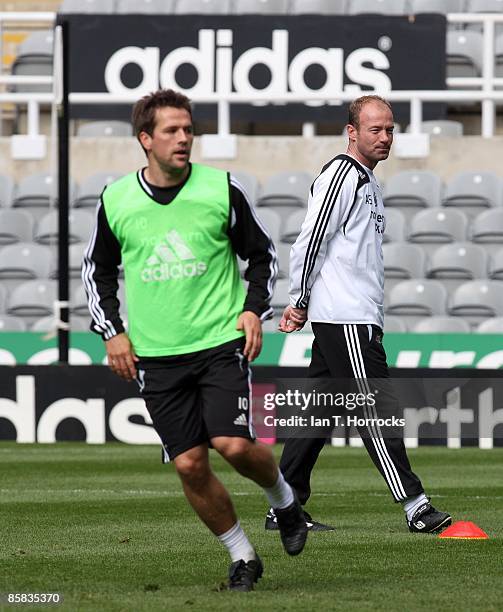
{"x": 172, "y": 260}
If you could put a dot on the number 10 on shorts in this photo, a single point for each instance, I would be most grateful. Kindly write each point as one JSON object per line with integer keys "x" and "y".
{"x": 243, "y": 403}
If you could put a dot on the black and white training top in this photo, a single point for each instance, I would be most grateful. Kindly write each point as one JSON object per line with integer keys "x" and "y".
{"x": 336, "y": 263}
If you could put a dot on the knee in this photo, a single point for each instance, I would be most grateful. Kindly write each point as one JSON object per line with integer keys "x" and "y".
{"x": 235, "y": 450}
{"x": 192, "y": 467}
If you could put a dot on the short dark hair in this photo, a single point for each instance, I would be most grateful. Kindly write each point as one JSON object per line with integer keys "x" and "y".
{"x": 143, "y": 115}
{"x": 355, "y": 108}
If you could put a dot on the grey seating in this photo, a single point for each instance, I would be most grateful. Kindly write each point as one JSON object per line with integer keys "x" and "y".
{"x": 440, "y": 127}
{"x": 402, "y": 260}
{"x": 105, "y": 129}
{"x": 35, "y": 190}
{"x": 89, "y": 190}
{"x": 9, "y": 323}
{"x": 76, "y": 253}
{"x": 249, "y": 183}
{"x": 22, "y": 261}
{"x": 387, "y": 7}
{"x": 78, "y": 301}
{"x": 81, "y": 223}
{"x": 496, "y": 266}
{"x": 464, "y": 53}
{"x": 498, "y": 56}
{"x": 487, "y": 229}
{"x": 435, "y": 226}
{"x": 292, "y": 226}
{"x": 441, "y": 325}
{"x": 3, "y": 298}
{"x": 15, "y": 226}
{"x": 34, "y": 58}
{"x": 202, "y": 7}
{"x": 473, "y": 191}
{"x": 490, "y": 326}
{"x": 271, "y": 325}
{"x": 283, "y": 251}
{"x": 458, "y": 262}
{"x": 395, "y": 226}
{"x": 280, "y": 298}
{"x": 286, "y": 189}
{"x": 485, "y": 6}
{"x": 394, "y": 325}
{"x": 416, "y": 298}
{"x": 33, "y": 299}
{"x": 150, "y": 7}
{"x": 271, "y": 221}
{"x": 437, "y": 6}
{"x": 260, "y": 7}
{"x": 416, "y": 188}
{"x": 6, "y": 191}
{"x": 87, "y": 6}
{"x": 318, "y": 7}
{"x": 477, "y": 300}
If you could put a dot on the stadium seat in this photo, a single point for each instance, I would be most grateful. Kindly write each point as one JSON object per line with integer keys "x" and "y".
{"x": 150, "y": 7}
{"x": 395, "y": 226}
{"x": 417, "y": 298}
{"x": 487, "y": 229}
{"x": 441, "y": 325}
{"x": 15, "y": 226}
{"x": 78, "y": 300}
{"x": 394, "y": 325}
{"x": 436, "y": 6}
{"x": 484, "y": 6}
{"x": 8, "y": 323}
{"x": 260, "y": 7}
{"x": 270, "y": 326}
{"x": 250, "y": 184}
{"x": 286, "y": 189}
{"x": 473, "y": 191}
{"x": 498, "y": 57}
{"x": 413, "y": 190}
{"x": 33, "y": 299}
{"x": 439, "y": 127}
{"x": 203, "y": 7}
{"x": 490, "y": 326}
{"x": 318, "y": 7}
{"x": 496, "y": 266}
{"x": 6, "y": 191}
{"x": 76, "y": 253}
{"x": 458, "y": 262}
{"x": 24, "y": 260}
{"x": 464, "y": 53}
{"x": 89, "y": 190}
{"x": 81, "y": 224}
{"x": 271, "y": 221}
{"x": 35, "y": 190}
{"x": 435, "y": 226}
{"x": 291, "y": 229}
{"x": 386, "y": 7}
{"x": 477, "y": 300}
{"x": 401, "y": 261}
{"x": 3, "y": 298}
{"x": 87, "y": 6}
{"x": 34, "y": 58}
{"x": 280, "y": 298}
{"x": 105, "y": 129}
{"x": 283, "y": 251}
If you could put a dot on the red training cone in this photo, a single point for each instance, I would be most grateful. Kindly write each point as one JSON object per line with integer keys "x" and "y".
{"x": 464, "y": 530}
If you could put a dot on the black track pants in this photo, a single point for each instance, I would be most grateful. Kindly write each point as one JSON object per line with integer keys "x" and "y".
{"x": 351, "y": 351}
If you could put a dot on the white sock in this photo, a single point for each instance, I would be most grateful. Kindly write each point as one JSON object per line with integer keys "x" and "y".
{"x": 411, "y": 504}
{"x": 280, "y": 495}
{"x": 237, "y": 544}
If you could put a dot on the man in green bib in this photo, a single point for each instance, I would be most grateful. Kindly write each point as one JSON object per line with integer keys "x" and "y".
{"x": 176, "y": 228}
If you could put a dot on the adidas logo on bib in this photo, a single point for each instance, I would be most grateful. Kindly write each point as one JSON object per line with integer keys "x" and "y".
{"x": 172, "y": 260}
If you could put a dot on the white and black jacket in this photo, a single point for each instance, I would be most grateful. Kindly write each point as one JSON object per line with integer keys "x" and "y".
{"x": 336, "y": 263}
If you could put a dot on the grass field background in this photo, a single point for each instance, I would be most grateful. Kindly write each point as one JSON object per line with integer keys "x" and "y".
{"x": 108, "y": 527}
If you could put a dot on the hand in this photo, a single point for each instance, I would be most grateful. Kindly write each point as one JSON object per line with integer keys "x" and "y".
{"x": 293, "y": 319}
{"x": 121, "y": 358}
{"x": 252, "y": 327}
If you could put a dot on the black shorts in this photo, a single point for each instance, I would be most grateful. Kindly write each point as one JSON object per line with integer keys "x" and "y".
{"x": 194, "y": 397}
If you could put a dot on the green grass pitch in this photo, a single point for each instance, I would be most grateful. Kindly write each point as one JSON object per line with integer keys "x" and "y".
{"x": 108, "y": 527}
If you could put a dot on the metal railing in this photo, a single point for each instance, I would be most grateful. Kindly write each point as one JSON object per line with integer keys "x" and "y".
{"x": 486, "y": 92}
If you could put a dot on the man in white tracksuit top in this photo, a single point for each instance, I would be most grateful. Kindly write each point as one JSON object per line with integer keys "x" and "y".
{"x": 337, "y": 282}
